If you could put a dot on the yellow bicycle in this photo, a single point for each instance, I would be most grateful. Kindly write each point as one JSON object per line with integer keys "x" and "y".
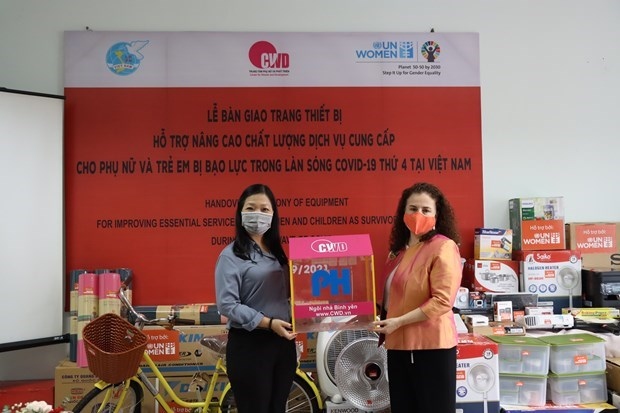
{"x": 127, "y": 394}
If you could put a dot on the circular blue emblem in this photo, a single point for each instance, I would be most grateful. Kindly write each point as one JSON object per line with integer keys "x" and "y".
{"x": 121, "y": 60}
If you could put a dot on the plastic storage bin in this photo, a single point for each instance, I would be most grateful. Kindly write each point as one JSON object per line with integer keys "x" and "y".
{"x": 576, "y": 353}
{"x": 522, "y": 390}
{"x": 522, "y": 355}
{"x": 578, "y": 388}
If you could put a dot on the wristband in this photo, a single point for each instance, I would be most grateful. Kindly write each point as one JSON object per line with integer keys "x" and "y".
{"x": 270, "y": 322}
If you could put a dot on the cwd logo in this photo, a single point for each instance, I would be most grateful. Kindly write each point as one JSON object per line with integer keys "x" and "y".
{"x": 264, "y": 55}
{"x": 323, "y": 245}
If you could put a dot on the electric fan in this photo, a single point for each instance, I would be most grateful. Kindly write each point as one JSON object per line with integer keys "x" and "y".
{"x": 568, "y": 278}
{"x": 329, "y": 344}
{"x": 361, "y": 374}
{"x": 481, "y": 379}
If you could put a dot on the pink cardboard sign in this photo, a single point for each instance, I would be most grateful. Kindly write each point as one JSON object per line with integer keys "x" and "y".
{"x": 331, "y": 277}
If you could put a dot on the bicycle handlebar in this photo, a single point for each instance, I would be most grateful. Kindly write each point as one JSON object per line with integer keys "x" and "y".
{"x": 140, "y": 320}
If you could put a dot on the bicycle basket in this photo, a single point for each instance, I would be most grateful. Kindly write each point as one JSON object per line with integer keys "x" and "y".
{"x": 113, "y": 347}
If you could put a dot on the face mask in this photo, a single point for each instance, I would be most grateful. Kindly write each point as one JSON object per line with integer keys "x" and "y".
{"x": 419, "y": 223}
{"x": 256, "y": 223}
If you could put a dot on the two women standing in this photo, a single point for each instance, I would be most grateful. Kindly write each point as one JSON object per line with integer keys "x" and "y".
{"x": 423, "y": 274}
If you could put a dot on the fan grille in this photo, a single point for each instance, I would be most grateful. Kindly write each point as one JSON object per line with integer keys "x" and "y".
{"x": 481, "y": 378}
{"x": 339, "y": 341}
{"x": 361, "y": 374}
{"x": 568, "y": 278}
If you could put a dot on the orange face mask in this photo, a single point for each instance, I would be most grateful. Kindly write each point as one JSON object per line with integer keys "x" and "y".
{"x": 419, "y": 223}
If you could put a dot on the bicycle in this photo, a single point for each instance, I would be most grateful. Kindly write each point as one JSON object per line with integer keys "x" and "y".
{"x": 125, "y": 395}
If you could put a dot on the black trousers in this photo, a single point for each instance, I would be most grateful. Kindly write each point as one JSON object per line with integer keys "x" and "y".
{"x": 422, "y": 381}
{"x": 261, "y": 366}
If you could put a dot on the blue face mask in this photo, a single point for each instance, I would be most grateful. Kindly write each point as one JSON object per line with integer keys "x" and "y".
{"x": 256, "y": 223}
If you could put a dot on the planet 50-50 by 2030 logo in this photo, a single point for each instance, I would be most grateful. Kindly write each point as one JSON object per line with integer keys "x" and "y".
{"x": 124, "y": 58}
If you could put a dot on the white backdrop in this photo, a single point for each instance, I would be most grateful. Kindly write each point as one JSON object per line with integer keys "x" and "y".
{"x": 550, "y": 76}
{"x": 31, "y": 218}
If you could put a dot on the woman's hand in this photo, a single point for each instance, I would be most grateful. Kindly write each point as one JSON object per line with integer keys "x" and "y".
{"x": 387, "y": 326}
{"x": 283, "y": 329}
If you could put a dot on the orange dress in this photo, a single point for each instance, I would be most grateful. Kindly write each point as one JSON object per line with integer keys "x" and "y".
{"x": 427, "y": 277}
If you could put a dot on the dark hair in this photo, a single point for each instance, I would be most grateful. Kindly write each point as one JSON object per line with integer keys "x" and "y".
{"x": 445, "y": 225}
{"x": 243, "y": 242}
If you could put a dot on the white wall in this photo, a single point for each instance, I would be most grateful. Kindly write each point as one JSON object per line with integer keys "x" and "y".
{"x": 550, "y": 75}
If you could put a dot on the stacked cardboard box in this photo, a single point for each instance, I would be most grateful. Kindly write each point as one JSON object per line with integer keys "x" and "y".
{"x": 477, "y": 376}
{"x": 555, "y": 275}
{"x": 597, "y": 242}
{"x": 537, "y": 223}
{"x": 546, "y": 267}
{"x": 491, "y": 270}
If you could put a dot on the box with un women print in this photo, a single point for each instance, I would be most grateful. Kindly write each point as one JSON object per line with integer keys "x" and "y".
{"x": 332, "y": 283}
{"x": 477, "y": 374}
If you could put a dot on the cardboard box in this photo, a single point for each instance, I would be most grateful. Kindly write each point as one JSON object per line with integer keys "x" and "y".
{"x": 597, "y": 242}
{"x": 477, "y": 374}
{"x": 613, "y": 374}
{"x": 497, "y": 328}
{"x": 493, "y": 276}
{"x": 184, "y": 341}
{"x": 502, "y": 311}
{"x": 551, "y": 274}
{"x": 476, "y": 320}
{"x": 538, "y": 310}
{"x": 71, "y": 383}
{"x": 492, "y": 244}
{"x": 537, "y": 223}
{"x": 598, "y": 312}
{"x": 25, "y": 391}
{"x": 306, "y": 343}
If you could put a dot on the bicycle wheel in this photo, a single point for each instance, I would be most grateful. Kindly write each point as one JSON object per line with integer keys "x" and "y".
{"x": 92, "y": 402}
{"x": 301, "y": 399}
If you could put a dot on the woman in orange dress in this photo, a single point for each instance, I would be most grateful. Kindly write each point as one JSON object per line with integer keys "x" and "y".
{"x": 422, "y": 278}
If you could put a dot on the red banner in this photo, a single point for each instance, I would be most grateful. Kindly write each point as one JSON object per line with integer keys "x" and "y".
{"x": 153, "y": 174}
